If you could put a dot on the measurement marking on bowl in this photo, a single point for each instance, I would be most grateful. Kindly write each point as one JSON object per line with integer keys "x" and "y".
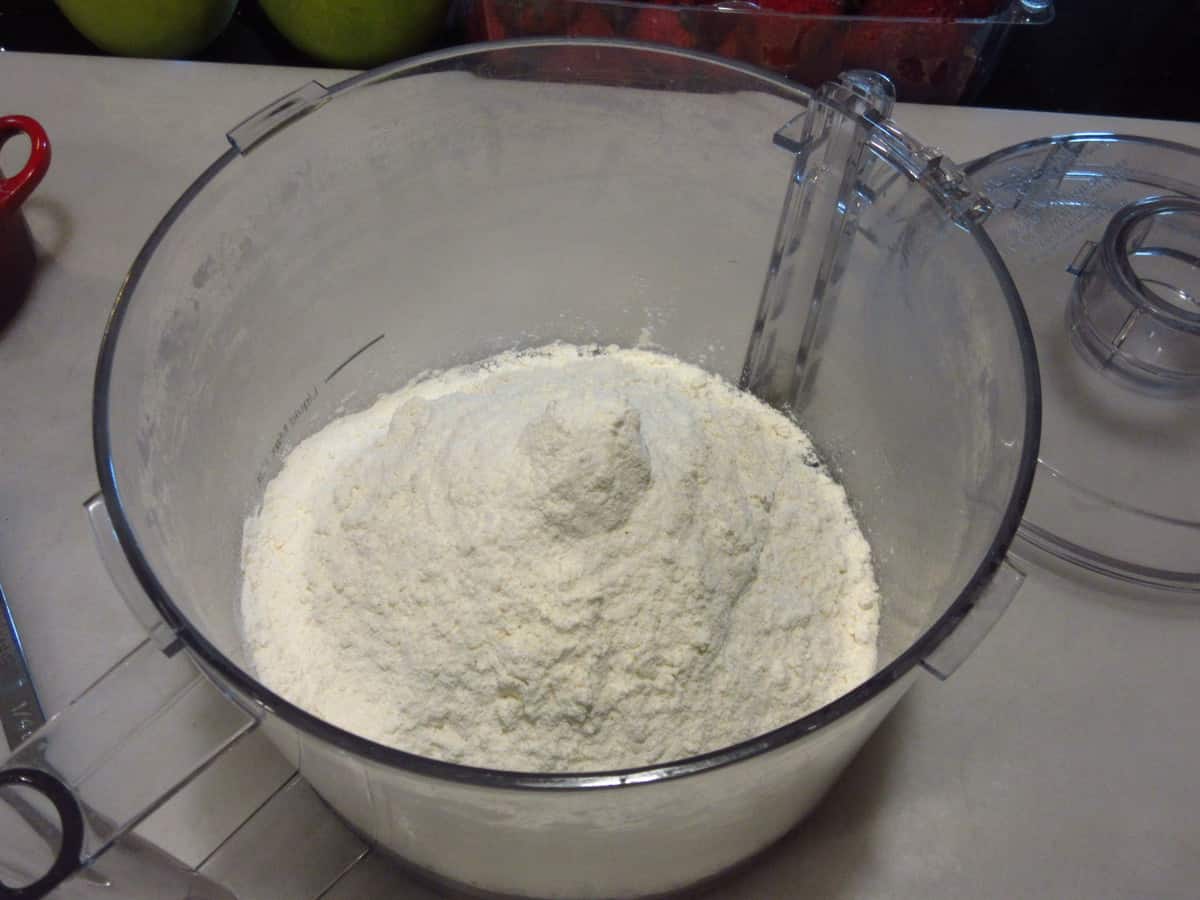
{"x": 280, "y": 443}
{"x": 277, "y": 446}
{"x": 353, "y": 356}
{"x": 293, "y": 419}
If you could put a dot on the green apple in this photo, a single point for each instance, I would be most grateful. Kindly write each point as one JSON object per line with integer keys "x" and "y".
{"x": 357, "y": 33}
{"x": 169, "y": 28}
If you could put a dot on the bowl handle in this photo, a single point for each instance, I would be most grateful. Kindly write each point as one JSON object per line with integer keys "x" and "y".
{"x": 836, "y": 142}
{"x": 972, "y": 627}
{"x": 16, "y": 189}
{"x": 116, "y": 753}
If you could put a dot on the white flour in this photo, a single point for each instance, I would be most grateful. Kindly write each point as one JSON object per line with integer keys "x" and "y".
{"x": 562, "y": 560}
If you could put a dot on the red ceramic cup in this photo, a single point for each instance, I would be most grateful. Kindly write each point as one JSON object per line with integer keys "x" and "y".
{"x": 16, "y": 244}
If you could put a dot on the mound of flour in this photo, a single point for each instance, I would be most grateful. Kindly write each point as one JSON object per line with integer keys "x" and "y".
{"x": 561, "y": 560}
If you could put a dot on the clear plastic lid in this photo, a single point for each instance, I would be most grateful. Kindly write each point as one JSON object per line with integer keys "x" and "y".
{"x": 1102, "y": 235}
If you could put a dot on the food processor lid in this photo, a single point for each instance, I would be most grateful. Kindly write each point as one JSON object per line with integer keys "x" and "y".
{"x": 1101, "y": 233}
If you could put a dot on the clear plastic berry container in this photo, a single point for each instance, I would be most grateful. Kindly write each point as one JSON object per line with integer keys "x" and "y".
{"x": 936, "y": 51}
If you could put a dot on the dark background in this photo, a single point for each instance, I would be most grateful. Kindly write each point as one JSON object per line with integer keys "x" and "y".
{"x": 1134, "y": 58}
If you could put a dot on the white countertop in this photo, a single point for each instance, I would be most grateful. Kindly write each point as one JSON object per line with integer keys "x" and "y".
{"x": 1059, "y": 761}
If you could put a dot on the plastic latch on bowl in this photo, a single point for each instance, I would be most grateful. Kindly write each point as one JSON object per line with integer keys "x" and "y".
{"x": 276, "y": 115}
{"x": 127, "y": 584}
{"x": 871, "y": 96}
{"x": 840, "y": 143}
{"x": 817, "y": 226}
{"x": 990, "y": 604}
{"x": 859, "y": 92}
{"x": 929, "y": 166}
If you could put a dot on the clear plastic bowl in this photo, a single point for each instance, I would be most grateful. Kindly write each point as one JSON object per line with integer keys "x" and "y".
{"x": 439, "y": 210}
{"x": 933, "y": 60}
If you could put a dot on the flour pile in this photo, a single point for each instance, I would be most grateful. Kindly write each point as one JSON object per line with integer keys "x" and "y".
{"x": 567, "y": 559}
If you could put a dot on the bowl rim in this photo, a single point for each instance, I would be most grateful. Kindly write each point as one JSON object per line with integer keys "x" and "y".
{"x": 1008, "y": 12}
{"x": 225, "y": 670}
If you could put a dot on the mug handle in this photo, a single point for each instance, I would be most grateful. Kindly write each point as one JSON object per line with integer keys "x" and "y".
{"x": 16, "y": 189}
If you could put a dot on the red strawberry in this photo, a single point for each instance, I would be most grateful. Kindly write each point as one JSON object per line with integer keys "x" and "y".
{"x": 593, "y": 23}
{"x": 799, "y": 44}
{"x": 542, "y": 17}
{"x": 776, "y": 41}
{"x": 928, "y": 61}
{"x": 712, "y": 28}
{"x": 661, "y": 26}
{"x": 730, "y": 46}
{"x": 486, "y": 24}
{"x": 621, "y": 17}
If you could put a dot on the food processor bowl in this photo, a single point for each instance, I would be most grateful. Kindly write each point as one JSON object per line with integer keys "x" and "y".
{"x": 442, "y": 209}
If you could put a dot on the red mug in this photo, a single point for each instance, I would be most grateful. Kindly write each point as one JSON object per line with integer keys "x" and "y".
{"x": 16, "y": 243}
